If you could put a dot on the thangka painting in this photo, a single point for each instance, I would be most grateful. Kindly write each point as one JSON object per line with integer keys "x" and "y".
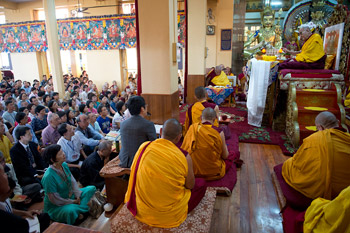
{"x": 181, "y": 28}
{"x": 65, "y": 32}
{"x": 333, "y": 38}
{"x": 38, "y": 37}
{"x": 90, "y": 33}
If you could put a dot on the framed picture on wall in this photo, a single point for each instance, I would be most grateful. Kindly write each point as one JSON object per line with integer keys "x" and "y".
{"x": 226, "y": 38}
{"x": 210, "y": 30}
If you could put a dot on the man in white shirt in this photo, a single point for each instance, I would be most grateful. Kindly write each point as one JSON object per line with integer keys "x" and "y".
{"x": 72, "y": 148}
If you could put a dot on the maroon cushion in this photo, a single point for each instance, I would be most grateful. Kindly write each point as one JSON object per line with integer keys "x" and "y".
{"x": 293, "y": 220}
{"x": 294, "y": 198}
{"x": 293, "y": 71}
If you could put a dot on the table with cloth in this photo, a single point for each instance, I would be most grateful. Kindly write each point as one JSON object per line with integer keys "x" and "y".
{"x": 261, "y": 90}
{"x": 218, "y": 94}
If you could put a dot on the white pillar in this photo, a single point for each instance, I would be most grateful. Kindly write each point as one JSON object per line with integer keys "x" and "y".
{"x": 53, "y": 44}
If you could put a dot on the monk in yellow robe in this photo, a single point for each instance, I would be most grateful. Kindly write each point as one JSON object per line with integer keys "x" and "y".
{"x": 221, "y": 78}
{"x": 161, "y": 180}
{"x": 5, "y": 144}
{"x": 311, "y": 56}
{"x": 207, "y": 147}
{"x": 320, "y": 168}
{"x": 329, "y": 216}
{"x": 194, "y": 112}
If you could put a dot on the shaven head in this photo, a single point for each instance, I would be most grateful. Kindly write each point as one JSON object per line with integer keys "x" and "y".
{"x": 208, "y": 114}
{"x": 326, "y": 120}
{"x": 200, "y": 93}
{"x": 172, "y": 130}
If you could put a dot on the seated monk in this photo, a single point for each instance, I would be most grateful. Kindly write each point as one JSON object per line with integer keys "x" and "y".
{"x": 329, "y": 216}
{"x": 194, "y": 112}
{"x": 311, "y": 56}
{"x": 320, "y": 168}
{"x": 221, "y": 78}
{"x": 207, "y": 147}
{"x": 159, "y": 191}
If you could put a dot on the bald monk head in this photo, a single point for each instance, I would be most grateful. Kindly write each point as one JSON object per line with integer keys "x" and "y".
{"x": 326, "y": 120}
{"x": 172, "y": 130}
{"x": 209, "y": 114}
{"x": 200, "y": 93}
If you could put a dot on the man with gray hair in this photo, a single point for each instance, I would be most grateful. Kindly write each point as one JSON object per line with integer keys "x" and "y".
{"x": 90, "y": 169}
{"x": 320, "y": 168}
{"x": 50, "y": 134}
{"x": 311, "y": 55}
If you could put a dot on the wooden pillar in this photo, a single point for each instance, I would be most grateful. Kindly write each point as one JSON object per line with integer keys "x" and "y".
{"x": 43, "y": 65}
{"x": 53, "y": 44}
{"x": 123, "y": 69}
{"x": 158, "y": 57}
{"x": 197, "y": 11}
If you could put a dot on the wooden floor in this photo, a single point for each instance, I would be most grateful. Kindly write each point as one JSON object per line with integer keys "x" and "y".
{"x": 253, "y": 205}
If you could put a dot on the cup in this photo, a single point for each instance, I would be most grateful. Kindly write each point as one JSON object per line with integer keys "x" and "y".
{"x": 224, "y": 117}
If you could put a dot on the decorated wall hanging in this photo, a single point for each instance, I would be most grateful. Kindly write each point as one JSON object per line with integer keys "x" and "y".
{"x": 88, "y": 33}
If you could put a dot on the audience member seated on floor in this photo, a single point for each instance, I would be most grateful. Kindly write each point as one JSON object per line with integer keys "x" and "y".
{"x": 5, "y": 144}
{"x": 103, "y": 120}
{"x": 8, "y": 220}
{"x": 93, "y": 124}
{"x": 329, "y": 216}
{"x": 72, "y": 148}
{"x": 10, "y": 114}
{"x": 90, "y": 169}
{"x": 32, "y": 191}
{"x": 161, "y": 179}
{"x": 119, "y": 115}
{"x": 194, "y": 112}
{"x": 135, "y": 130}
{"x": 7, "y": 133}
{"x": 39, "y": 123}
{"x": 22, "y": 120}
{"x": 63, "y": 201}
{"x": 320, "y": 168}
{"x": 26, "y": 159}
{"x": 312, "y": 55}
{"x": 50, "y": 134}
{"x": 88, "y": 137}
{"x": 43, "y": 218}
{"x": 207, "y": 147}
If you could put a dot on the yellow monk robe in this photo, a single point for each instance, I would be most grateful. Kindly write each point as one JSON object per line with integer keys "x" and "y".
{"x": 194, "y": 114}
{"x": 312, "y": 50}
{"x": 161, "y": 196}
{"x": 320, "y": 168}
{"x": 329, "y": 216}
{"x": 5, "y": 146}
{"x": 204, "y": 144}
{"x": 221, "y": 80}
{"x": 347, "y": 99}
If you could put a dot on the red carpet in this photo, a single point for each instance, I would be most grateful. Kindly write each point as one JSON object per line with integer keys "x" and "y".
{"x": 248, "y": 133}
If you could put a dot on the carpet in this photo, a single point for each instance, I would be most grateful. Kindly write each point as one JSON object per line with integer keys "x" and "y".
{"x": 247, "y": 133}
{"x": 198, "y": 220}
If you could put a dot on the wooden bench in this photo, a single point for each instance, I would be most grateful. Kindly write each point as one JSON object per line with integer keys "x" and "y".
{"x": 116, "y": 187}
{"x": 198, "y": 220}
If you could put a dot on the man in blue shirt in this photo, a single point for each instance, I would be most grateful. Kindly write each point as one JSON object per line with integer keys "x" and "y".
{"x": 103, "y": 120}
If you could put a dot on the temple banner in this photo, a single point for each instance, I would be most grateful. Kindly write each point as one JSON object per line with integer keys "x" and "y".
{"x": 89, "y": 33}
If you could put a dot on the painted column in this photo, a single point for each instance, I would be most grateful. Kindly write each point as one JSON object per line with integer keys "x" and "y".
{"x": 53, "y": 44}
{"x": 197, "y": 11}
{"x": 158, "y": 60}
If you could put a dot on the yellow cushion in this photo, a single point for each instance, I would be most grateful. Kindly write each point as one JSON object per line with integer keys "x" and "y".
{"x": 314, "y": 90}
{"x": 329, "y": 62}
{"x": 311, "y": 128}
{"x": 316, "y": 108}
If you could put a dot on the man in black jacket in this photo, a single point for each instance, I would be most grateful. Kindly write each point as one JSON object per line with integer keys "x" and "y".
{"x": 90, "y": 170}
{"x": 26, "y": 159}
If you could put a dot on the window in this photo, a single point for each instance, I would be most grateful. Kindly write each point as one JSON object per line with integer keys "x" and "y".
{"x": 128, "y": 8}
{"x": 61, "y": 13}
{"x": 5, "y": 61}
{"x": 2, "y": 18}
